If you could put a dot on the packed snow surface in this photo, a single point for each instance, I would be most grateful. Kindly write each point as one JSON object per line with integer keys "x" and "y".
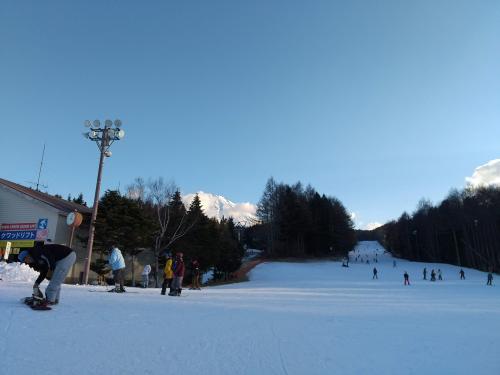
{"x": 291, "y": 318}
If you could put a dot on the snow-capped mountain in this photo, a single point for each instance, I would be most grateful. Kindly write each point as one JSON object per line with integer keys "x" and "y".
{"x": 217, "y": 206}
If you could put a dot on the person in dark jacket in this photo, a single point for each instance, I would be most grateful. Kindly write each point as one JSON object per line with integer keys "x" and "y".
{"x": 44, "y": 258}
{"x": 407, "y": 278}
{"x": 433, "y": 275}
{"x": 490, "y": 279}
{"x": 195, "y": 268}
{"x": 178, "y": 268}
{"x": 462, "y": 274}
{"x": 375, "y": 272}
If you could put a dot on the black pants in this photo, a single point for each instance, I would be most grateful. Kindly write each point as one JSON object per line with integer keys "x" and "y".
{"x": 166, "y": 284}
{"x": 119, "y": 277}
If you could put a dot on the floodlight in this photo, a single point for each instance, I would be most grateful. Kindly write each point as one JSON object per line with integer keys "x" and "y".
{"x": 97, "y": 123}
{"x": 118, "y": 123}
{"x": 108, "y": 124}
{"x": 107, "y": 154}
{"x": 120, "y": 134}
{"x": 87, "y": 123}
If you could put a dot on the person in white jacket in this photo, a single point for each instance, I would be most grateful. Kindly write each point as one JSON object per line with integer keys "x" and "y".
{"x": 117, "y": 264}
{"x": 145, "y": 275}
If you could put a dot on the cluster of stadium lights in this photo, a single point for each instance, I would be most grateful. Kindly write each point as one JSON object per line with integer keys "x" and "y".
{"x": 105, "y": 136}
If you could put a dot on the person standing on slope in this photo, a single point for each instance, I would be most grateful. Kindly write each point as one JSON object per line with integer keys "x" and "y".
{"x": 490, "y": 279}
{"x": 425, "y": 273}
{"x": 433, "y": 275}
{"x": 440, "y": 275}
{"x": 195, "y": 269}
{"x": 44, "y": 258}
{"x": 168, "y": 275}
{"x": 407, "y": 278}
{"x": 375, "y": 273}
{"x": 462, "y": 274}
{"x": 178, "y": 268}
{"x": 145, "y": 275}
{"x": 117, "y": 264}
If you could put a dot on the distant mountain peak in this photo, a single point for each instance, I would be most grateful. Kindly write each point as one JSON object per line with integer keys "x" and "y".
{"x": 217, "y": 206}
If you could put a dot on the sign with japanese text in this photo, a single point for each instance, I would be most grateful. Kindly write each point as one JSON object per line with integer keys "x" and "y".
{"x": 24, "y": 231}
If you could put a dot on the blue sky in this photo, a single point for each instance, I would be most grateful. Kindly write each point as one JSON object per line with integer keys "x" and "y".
{"x": 378, "y": 103}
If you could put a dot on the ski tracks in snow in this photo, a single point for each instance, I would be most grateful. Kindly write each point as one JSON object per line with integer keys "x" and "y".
{"x": 280, "y": 351}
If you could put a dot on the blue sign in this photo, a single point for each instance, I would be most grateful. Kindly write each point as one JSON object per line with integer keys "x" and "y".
{"x": 43, "y": 223}
{"x": 13, "y": 235}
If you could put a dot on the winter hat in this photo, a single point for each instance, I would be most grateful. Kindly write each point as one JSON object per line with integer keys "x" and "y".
{"x": 22, "y": 255}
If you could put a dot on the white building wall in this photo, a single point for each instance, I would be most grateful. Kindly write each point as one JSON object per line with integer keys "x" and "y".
{"x": 16, "y": 207}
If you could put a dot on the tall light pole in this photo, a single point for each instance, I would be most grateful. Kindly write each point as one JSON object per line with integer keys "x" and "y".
{"x": 104, "y": 138}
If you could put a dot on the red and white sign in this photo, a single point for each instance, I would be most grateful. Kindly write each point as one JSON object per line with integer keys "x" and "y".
{"x": 18, "y": 226}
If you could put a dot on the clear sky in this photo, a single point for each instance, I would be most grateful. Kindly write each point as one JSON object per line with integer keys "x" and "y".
{"x": 378, "y": 103}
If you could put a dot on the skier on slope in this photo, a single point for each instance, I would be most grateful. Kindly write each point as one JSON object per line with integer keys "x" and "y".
{"x": 407, "y": 278}
{"x": 145, "y": 275}
{"x": 433, "y": 275}
{"x": 425, "y": 273}
{"x": 168, "y": 275}
{"x": 44, "y": 258}
{"x": 440, "y": 275}
{"x": 375, "y": 273}
{"x": 462, "y": 274}
{"x": 117, "y": 264}
{"x": 490, "y": 279}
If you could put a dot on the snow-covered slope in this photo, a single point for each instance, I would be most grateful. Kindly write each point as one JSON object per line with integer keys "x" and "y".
{"x": 216, "y": 206}
{"x": 291, "y": 318}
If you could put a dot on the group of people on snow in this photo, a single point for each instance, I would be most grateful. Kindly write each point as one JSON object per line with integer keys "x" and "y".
{"x": 173, "y": 275}
{"x": 58, "y": 260}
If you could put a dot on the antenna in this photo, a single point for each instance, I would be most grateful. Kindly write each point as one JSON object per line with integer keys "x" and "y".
{"x": 40, "y": 169}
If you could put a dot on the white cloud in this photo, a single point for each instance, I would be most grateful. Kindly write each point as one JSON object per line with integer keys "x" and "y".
{"x": 486, "y": 174}
{"x": 374, "y": 225}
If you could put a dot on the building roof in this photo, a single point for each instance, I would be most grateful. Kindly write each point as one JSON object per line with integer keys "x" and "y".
{"x": 59, "y": 203}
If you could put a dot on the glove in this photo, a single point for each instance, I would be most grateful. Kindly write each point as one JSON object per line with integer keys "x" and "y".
{"x": 37, "y": 293}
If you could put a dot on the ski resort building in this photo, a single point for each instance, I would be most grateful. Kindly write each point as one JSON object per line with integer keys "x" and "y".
{"x": 27, "y": 215}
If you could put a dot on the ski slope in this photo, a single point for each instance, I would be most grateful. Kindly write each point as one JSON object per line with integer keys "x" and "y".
{"x": 291, "y": 318}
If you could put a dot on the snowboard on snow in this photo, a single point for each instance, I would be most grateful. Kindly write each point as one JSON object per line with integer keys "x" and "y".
{"x": 29, "y": 301}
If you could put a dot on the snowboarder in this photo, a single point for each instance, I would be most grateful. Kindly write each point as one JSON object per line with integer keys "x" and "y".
{"x": 425, "y": 273}
{"x": 145, "y": 275}
{"x": 490, "y": 279}
{"x": 44, "y": 258}
{"x": 195, "y": 268}
{"x": 168, "y": 275}
{"x": 117, "y": 264}
{"x": 462, "y": 274}
{"x": 178, "y": 269}
{"x": 375, "y": 273}
{"x": 440, "y": 276}
{"x": 407, "y": 278}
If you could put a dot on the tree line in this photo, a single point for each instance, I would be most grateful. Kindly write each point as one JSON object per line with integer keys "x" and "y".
{"x": 151, "y": 217}
{"x": 463, "y": 230}
{"x": 298, "y": 222}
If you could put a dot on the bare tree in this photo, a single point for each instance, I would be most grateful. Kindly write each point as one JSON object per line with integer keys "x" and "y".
{"x": 159, "y": 195}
